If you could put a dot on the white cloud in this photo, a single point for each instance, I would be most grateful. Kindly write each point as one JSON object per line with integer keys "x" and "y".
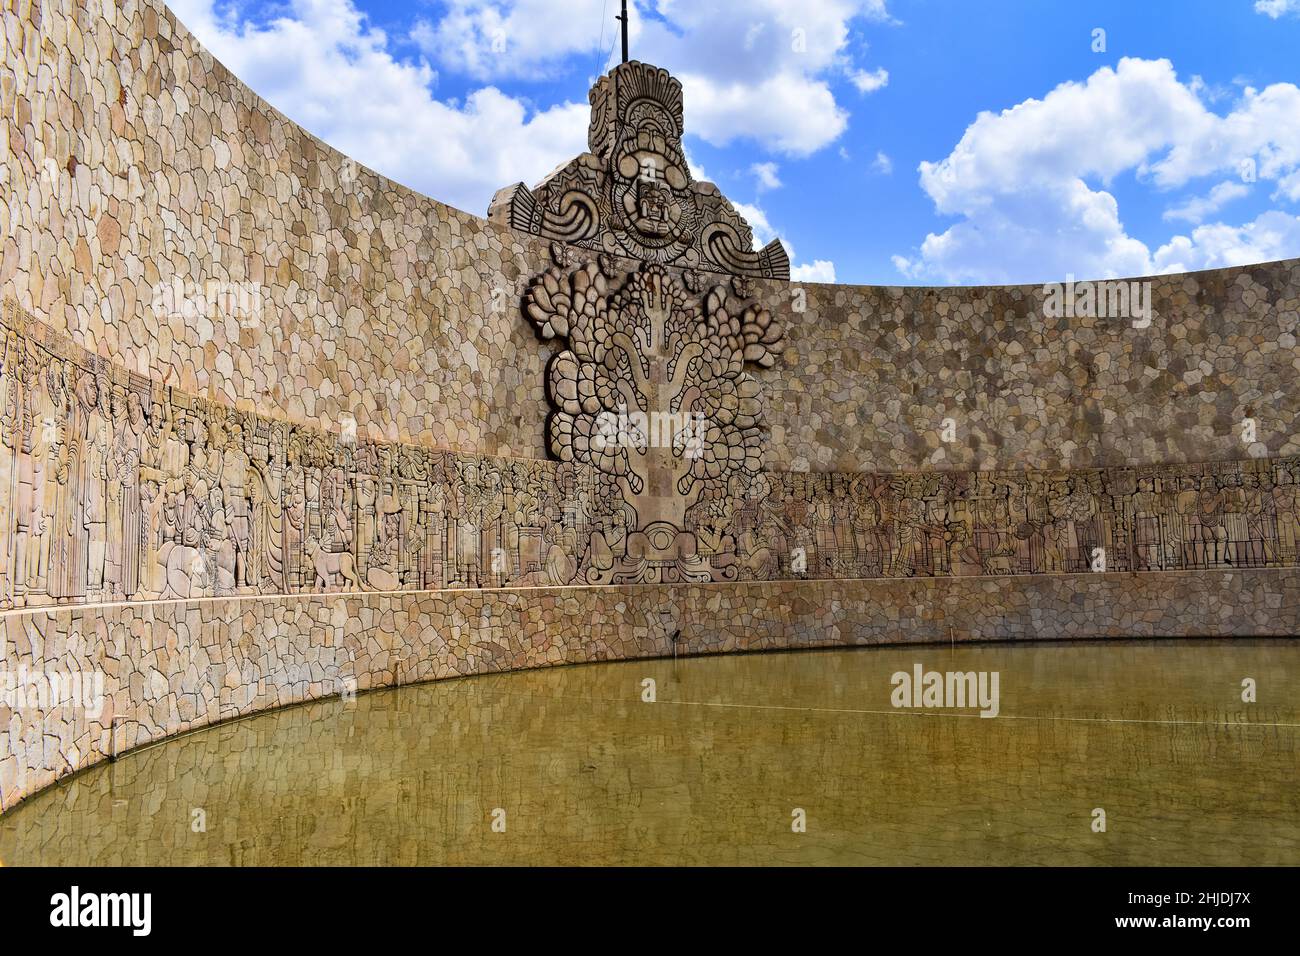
{"x": 906, "y": 267}
{"x": 882, "y": 164}
{"x": 1030, "y": 184}
{"x": 1276, "y": 8}
{"x": 787, "y": 114}
{"x": 766, "y": 174}
{"x": 758, "y": 69}
{"x": 869, "y": 81}
{"x": 819, "y": 270}
{"x": 757, "y": 219}
{"x": 321, "y": 60}
{"x": 750, "y": 69}
{"x": 489, "y": 39}
{"x": 1272, "y": 235}
{"x": 1197, "y": 208}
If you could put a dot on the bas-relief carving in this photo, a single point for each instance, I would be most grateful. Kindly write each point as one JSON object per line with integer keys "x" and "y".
{"x": 632, "y": 194}
{"x": 117, "y": 490}
{"x": 1224, "y": 515}
{"x": 670, "y": 367}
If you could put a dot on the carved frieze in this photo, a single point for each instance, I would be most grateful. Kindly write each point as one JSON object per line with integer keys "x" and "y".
{"x": 115, "y": 489}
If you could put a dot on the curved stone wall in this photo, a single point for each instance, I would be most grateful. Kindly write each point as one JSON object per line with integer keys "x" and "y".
{"x": 117, "y": 490}
{"x": 168, "y": 667}
{"x": 240, "y": 371}
{"x": 170, "y": 220}
{"x": 870, "y": 375}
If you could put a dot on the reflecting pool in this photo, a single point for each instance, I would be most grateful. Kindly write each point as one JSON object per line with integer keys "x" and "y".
{"x": 735, "y": 754}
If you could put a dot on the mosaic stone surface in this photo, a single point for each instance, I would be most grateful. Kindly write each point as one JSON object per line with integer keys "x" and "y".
{"x": 170, "y": 220}
{"x": 117, "y": 490}
{"x": 238, "y": 367}
{"x": 171, "y": 666}
{"x": 869, "y": 375}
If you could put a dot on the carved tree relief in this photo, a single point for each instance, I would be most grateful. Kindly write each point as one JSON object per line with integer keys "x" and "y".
{"x": 671, "y": 371}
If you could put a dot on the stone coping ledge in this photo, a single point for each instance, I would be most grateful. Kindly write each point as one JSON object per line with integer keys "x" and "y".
{"x": 778, "y": 583}
{"x": 170, "y": 667}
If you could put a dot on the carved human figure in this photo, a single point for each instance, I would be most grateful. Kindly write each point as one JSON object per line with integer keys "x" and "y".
{"x": 1286, "y": 508}
{"x": 1147, "y": 530}
{"x": 37, "y": 491}
{"x": 115, "y": 468}
{"x": 1261, "y": 519}
{"x": 235, "y": 465}
{"x": 67, "y": 579}
{"x": 11, "y": 468}
{"x": 382, "y": 573}
{"x": 92, "y": 394}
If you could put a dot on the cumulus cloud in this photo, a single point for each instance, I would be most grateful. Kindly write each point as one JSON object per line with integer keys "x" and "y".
{"x": 762, "y": 229}
{"x": 882, "y": 164}
{"x": 1197, "y": 208}
{"x": 1272, "y": 235}
{"x": 766, "y": 175}
{"x": 819, "y": 270}
{"x": 328, "y": 69}
{"x": 750, "y": 69}
{"x": 1030, "y": 184}
{"x": 1276, "y": 8}
{"x": 489, "y": 39}
{"x": 760, "y": 69}
{"x": 869, "y": 81}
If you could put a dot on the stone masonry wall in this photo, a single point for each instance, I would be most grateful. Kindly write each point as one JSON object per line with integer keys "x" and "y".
{"x": 201, "y": 298}
{"x": 170, "y": 220}
{"x": 132, "y": 161}
{"x": 168, "y": 667}
{"x": 869, "y": 375}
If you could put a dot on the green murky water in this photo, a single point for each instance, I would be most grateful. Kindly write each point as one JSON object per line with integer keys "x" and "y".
{"x": 1154, "y": 734}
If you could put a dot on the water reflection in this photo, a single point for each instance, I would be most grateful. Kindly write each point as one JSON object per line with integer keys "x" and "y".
{"x": 1156, "y": 734}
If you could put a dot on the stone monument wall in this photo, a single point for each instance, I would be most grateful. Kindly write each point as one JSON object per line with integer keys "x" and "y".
{"x": 170, "y": 220}
{"x": 273, "y": 428}
{"x": 870, "y": 374}
{"x": 99, "y": 681}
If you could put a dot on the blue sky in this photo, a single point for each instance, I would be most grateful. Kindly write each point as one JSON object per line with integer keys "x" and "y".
{"x": 894, "y": 142}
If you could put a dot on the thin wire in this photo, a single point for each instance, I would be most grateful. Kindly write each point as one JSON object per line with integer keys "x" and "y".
{"x": 600, "y": 44}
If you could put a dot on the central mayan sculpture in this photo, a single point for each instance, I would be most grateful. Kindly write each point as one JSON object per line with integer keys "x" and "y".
{"x": 651, "y": 388}
{"x": 632, "y": 194}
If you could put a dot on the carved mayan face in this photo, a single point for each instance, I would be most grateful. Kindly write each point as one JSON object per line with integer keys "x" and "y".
{"x": 632, "y": 194}
{"x": 88, "y": 391}
{"x": 651, "y": 193}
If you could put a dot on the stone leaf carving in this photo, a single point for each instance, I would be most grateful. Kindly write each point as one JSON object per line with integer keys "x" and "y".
{"x": 653, "y": 390}
{"x": 632, "y": 194}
